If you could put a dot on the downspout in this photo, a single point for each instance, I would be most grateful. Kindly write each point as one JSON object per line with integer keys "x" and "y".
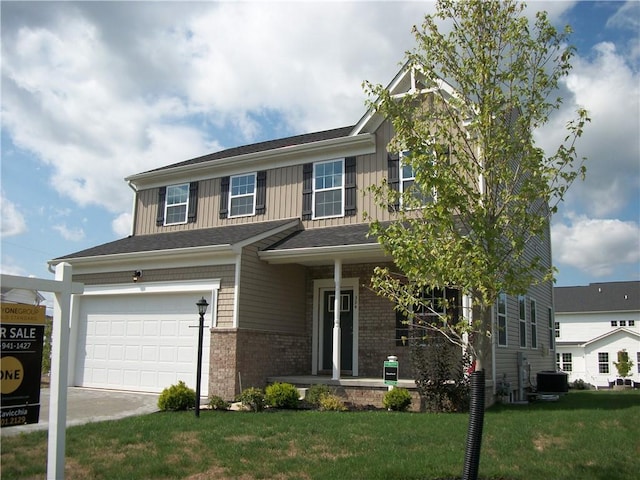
{"x": 134, "y": 210}
{"x": 493, "y": 349}
{"x": 337, "y": 279}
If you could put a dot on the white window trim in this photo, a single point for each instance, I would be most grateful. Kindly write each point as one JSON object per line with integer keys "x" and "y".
{"x": 533, "y": 322}
{"x": 231, "y": 196}
{"x": 403, "y": 179}
{"x": 506, "y": 318}
{"x": 521, "y": 321}
{"x": 167, "y": 206}
{"x": 341, "y": 187}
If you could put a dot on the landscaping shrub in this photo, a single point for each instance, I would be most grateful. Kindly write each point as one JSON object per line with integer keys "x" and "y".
{"x": 331, "y": 402}
{"x": 316, "y": 392}
{"x": 177, "y": 397}
{"x": 253, "y": 398}
{"x": 217, "y": 403}
{"x": 282, "y": 395}
{"x": 397, "y": 399}
{"x": 439, "y": 372}
{"x": 580, "y": 384}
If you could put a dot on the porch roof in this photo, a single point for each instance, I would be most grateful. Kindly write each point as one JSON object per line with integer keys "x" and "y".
{"x": 318, "y": 246}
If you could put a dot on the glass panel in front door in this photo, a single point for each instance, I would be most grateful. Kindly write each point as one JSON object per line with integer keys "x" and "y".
{"x": 346, "y": 325}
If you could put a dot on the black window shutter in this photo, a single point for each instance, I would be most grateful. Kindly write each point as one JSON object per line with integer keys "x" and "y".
{"x": 162, "y": 195}
{"x": 224, "y": 197}
{"x": 350, "y": 190}
{"x": 193, "y": 202}
{"x": 393, "y": 178}
{"x": 261, "y": 192}
{"x": 307, "y": 191}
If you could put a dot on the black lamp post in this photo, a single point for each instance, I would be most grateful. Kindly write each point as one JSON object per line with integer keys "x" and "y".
{"x": 202, "y": 309}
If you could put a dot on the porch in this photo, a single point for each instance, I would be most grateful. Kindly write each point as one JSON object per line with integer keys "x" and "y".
{"x": 359, "y": 391}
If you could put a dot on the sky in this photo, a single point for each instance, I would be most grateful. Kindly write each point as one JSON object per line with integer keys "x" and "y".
{"x": 93, "y": 92}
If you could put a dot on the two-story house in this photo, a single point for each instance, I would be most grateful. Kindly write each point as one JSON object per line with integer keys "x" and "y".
{"x": 592, "y": 324}
{"x": 274, "y": 236}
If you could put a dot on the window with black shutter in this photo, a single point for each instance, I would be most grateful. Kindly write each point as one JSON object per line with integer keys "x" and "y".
{"x": 224, "y": 197}
{"x": 393, "y": 179}
{"x": 307, "y": 191}
{"x": 350, "y": 189}
{"x": 193, "y": 202}
{"x": 261, "y": 192}
{"x": 162, "y": 195}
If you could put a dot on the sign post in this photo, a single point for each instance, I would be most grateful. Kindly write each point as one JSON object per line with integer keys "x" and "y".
{"x": 391, "y": 371}
{"x": 22, "y": 336}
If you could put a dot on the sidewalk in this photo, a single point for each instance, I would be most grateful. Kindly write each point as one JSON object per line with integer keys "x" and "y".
{"x": 86, "y": 405}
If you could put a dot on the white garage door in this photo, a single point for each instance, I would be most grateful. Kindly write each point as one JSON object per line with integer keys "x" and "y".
{"x": 141, "y": 342}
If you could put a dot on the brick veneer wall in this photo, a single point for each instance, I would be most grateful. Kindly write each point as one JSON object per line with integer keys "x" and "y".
{"x": 376, "y": 319}
{"x": 262, "y": 354}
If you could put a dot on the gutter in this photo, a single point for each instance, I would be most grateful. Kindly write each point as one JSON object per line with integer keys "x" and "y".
{"x": 344, "y": 252}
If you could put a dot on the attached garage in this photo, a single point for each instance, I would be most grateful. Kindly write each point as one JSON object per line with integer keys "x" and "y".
{"x": 141, "y": 338}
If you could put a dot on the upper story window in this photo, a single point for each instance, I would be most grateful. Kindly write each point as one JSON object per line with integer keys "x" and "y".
{"x": 242, "y": 198}
{"x": 177, "y": 204}
{"x": 408, "y": 184}
{"x": 329, "y": 189}
{"x": 328, "y": 192}
{"x": 243, "y": 195}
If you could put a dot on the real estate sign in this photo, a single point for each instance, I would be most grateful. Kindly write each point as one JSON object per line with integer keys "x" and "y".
{"x": 391, "y": 373}
{"x": 22, "y": 335}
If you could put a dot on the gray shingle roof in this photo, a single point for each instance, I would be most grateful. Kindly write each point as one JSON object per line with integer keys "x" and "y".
{"x": 326, "y": 237}
{"x": 227, "y": 235}
{"x": 598, "y": 297}
{"x": 263, "y": 146}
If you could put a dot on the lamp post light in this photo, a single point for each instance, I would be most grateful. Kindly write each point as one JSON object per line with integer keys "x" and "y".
{"x": 202, "y": 309}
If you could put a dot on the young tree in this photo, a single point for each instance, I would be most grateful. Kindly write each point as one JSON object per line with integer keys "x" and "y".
{"x": 483, "y": 191}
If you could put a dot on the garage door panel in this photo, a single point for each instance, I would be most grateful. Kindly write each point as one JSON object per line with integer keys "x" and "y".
{"x": 99, "y": 352}
{"x": 142, "y": 342}
{"x": 116, "y": 352}
{"x": 132, "y": 352}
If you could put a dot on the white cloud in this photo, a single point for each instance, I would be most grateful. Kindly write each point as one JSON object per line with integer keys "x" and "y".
{"x": 609, "y": 89}
{"x": 13, "y": 221}
{"x": 71, "y": 234}
{"x": 10, "y": 266}
{"x": 121, "y": 225}
{"x": 102, "y": 91}
{"x": 596, "y": 246}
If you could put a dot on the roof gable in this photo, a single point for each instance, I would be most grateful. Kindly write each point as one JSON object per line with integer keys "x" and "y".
{"x": 618, "y": 332}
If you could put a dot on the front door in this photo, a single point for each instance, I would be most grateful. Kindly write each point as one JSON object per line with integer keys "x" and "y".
{"x": 346, "y": 325}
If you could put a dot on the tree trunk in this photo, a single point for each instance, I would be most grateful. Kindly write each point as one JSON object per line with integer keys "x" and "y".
{"x": 476, "y": 421}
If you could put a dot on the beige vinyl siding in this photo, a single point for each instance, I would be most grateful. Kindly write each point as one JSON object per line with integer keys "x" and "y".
{"x": 540, "y": 358}
{"x": 225, "y": 273}
{"x": 271, "y": 297}
{"x": 283, "y": 196}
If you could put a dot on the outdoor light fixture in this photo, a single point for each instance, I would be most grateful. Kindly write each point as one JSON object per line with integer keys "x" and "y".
{"x": 136, "y": 275}
{"x": 202, "y": 309}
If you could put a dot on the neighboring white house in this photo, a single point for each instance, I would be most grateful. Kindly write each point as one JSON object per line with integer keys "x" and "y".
{"x": 592, "y": 324}
{"x": 19, "y": 295}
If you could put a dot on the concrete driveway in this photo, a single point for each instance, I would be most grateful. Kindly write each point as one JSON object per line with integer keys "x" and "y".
{"x": 85, "y": 405}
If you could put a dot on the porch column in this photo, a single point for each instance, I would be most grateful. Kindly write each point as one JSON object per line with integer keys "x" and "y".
{"x": 337, "y": 278}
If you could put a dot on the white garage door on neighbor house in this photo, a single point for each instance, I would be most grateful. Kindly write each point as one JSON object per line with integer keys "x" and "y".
{"x": 141, "y": 341}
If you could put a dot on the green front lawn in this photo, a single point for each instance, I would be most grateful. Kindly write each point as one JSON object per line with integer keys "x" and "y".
{"x": 585, "y": 435}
